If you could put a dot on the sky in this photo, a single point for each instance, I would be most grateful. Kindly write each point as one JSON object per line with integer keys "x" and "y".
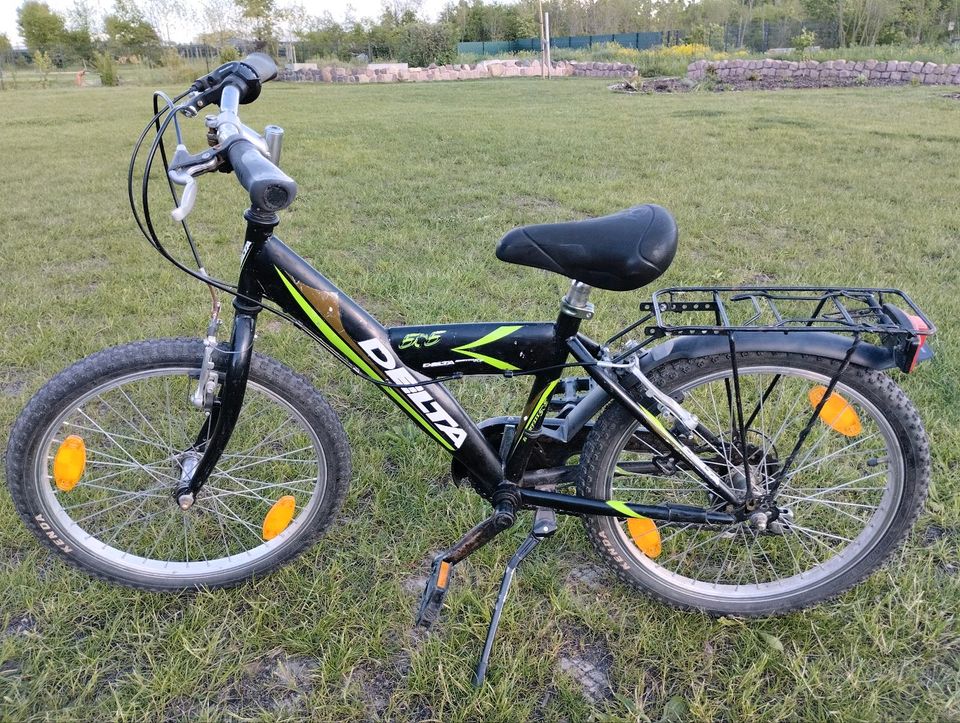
{"x": 429, "y": 9}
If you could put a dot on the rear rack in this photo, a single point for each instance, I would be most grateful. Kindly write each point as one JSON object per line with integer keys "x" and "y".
{"x": 724, "y": 310}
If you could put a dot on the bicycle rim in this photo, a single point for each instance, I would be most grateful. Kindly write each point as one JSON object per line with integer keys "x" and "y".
{"x": 843, "y": 492}
{"x": 137, "y": 430}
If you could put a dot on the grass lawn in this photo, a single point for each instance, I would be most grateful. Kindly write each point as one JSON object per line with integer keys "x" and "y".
{"x": 404, "y": 191}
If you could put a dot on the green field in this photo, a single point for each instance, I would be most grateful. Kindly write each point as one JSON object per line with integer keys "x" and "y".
{"x": 404, "y": 192}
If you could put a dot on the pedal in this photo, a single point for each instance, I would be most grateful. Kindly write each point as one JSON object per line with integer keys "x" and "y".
{"x": 434, "y": 592}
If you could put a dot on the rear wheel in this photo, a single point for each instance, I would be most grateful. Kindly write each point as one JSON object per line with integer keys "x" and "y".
{"x": 130, "y": 408}
{"x": 849, "y": 499}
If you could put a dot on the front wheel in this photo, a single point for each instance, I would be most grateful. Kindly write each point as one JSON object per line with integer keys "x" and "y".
{"x": 856, "y": 485}
{"x": 121, "y": 426}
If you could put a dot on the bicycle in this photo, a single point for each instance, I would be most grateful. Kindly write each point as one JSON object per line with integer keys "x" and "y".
{"x": 747, "y": 455}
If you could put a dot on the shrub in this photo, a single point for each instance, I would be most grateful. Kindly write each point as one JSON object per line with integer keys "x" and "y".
{"x": 177, "y": 68}
{"x": 228, "y": 53}
{"x": 44, "y": 64}
{"x": 806, "y": 39}
{"x": 424, "y": 43}
{"x": 107, "y": 68}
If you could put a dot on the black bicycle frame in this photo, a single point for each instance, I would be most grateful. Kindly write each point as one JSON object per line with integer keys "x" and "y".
{"x": 399, "y": 360}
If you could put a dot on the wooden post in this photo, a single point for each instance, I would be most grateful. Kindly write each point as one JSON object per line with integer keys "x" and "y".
{"x": 546, "y": 32}
{"x": 543, "y": 47}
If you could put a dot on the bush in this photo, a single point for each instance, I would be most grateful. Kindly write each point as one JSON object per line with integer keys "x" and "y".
{"x": 107, "y": 68}
{"x": 228, "y": 53}
{"x": 424, "y": 43}
{"x": 806, "y": 39}
{"x": 44, "y": 64}
{"x": 178, "y": 71}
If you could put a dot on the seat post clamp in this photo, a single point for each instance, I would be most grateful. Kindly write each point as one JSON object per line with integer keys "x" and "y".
{"x": 575, "y": 302}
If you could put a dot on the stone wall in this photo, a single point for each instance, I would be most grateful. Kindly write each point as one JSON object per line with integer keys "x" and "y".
{"x": 869, "y": 71}
{"x": 394, "y": 72}
{"x": 768, "y": 72}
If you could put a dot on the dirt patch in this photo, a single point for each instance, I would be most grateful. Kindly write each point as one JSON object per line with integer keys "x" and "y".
{"x": 378, "y": 679}
{"x": 12, "y": 381}
{"x": 274, "y": 684}
{"x": 585, "y": 582}
{"x": 588, "y": 662}
{"x": 19, "y": 625}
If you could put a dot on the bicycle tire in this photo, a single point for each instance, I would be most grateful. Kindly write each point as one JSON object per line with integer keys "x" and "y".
{"x": 671, "y": 577}
{"x": 131, "y": 406}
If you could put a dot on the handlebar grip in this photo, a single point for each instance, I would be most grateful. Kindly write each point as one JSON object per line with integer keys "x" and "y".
{"x": 261, "y": 64}
{"x": 270, "y": 188}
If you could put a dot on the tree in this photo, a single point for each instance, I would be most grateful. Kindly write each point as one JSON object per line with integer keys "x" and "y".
{"x": 129, "y": 31}
{"x": 164, "y": 15}
{"x": 5, "y": 46}
{"x": 261, "y": 16}
{"x": 426, "y": 43}
{"x": 221, "y": 22}
{"x": 324, "y": 37}
{"x": 78, "y": 37}
{"x": 41, "y": 28}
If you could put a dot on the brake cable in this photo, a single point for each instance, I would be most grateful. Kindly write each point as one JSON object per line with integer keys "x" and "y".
{"x": 145, "y": 225}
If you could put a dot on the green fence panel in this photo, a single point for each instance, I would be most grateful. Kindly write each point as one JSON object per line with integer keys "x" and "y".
{"x": 627, "y": 40}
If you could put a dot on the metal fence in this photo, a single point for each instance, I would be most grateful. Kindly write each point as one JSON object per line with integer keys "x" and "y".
{"x": 762, "y": 35}
{"x": 640, "y": 41}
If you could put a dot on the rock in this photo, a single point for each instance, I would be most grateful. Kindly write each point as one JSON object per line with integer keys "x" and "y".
{"x": 916, "y": 67}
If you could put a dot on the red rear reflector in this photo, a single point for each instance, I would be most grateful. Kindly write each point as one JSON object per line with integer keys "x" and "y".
{"x": 920, "y": 326}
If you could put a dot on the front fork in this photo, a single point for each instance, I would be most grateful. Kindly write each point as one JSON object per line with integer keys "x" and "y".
{"x": 223, "y": 410}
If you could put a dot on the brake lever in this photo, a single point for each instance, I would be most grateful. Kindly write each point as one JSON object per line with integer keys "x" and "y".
{"x": 187, "y": 200}
{"x": 184, "y": 167}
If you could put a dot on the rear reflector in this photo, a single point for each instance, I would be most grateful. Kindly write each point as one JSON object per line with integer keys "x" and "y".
{"x": 69, "y": 463}
{"x": 920, "y": 326}
{"x": 836, "y": 413}
{"x": 645, "y": 535}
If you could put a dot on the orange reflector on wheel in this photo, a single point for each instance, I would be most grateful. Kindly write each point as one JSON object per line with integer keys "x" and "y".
{"x": 836, "y": 413}
{"x": 645, "y": 534}
{"x": 69, "y": 463}
{"x": 279, "y": 517}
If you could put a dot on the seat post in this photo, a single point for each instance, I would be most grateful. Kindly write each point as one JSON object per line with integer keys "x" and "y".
{"x": 575, "y": 302}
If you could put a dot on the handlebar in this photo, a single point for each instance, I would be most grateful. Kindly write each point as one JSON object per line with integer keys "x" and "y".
{"x": 230, "y": 86}
{"x": 270, "y": 189}
{"x": 261, "y": 64}
{"x": 246, "y": 75}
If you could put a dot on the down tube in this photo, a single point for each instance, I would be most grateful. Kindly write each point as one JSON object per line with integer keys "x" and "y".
{"x": 364, "y": 343}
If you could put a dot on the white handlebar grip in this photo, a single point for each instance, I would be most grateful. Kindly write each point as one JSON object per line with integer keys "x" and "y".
{"x": 187, "y": 200}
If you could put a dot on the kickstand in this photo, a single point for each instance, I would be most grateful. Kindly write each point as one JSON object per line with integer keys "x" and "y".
{"x": 544, "y": 525}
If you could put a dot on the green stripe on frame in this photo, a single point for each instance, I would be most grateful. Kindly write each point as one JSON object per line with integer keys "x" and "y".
{"x": 622, "y": 508}
{"x": 350, "y": 354}
{"x": 494, "y": 335}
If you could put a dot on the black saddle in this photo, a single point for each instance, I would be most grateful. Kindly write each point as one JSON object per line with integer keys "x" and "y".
{"x": 621, "y": 252}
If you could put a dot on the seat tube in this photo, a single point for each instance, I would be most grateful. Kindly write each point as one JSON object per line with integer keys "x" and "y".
{"x": 574, "y": 308}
